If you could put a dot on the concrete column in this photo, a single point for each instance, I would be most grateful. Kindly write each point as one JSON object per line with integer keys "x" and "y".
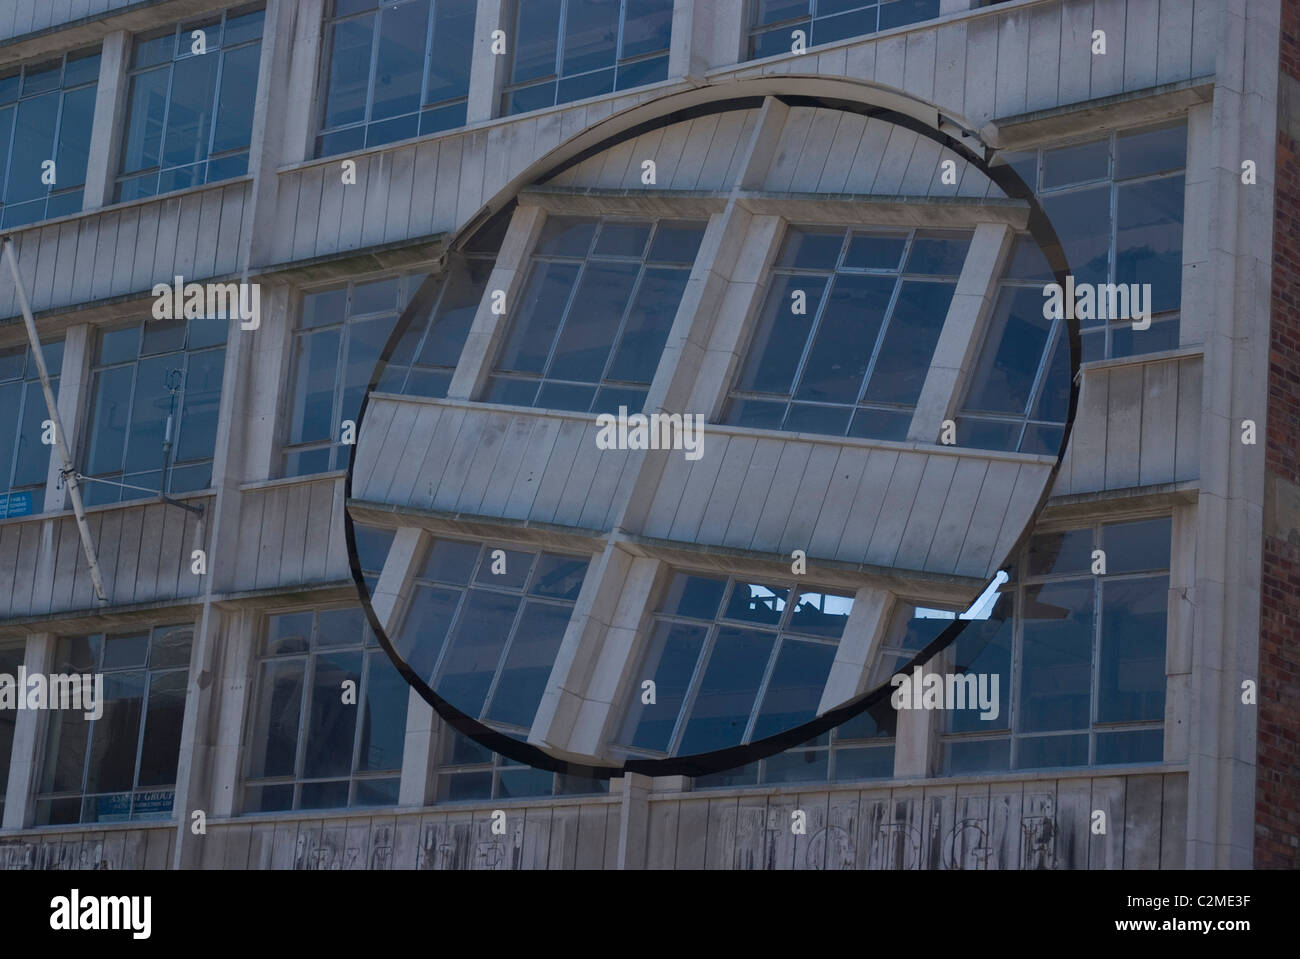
{"x": 487, "y": 70}
{"x": 488, "y": 328}
{"x": 419, "y": 752}
{"x": 284, "y": 114}
{"x": 109, "y": 120}
{"x": 306, "y": 26}
{"x": 207, "y": 770}
{"x": 913, "y": 742}
{"x": 956, "y": 6}
{"x": 74, "y": 382}
{"x": 29, "y": 741}
{"x": 859, "y": 647}
{"x": 706, "y": 33}
{"x": 235, "y": 682}
{"x": 962, "y": 336}
{"x": 265, "y": 379}
{"x": 594, "y": 665}
{"x": 634, "y": 821}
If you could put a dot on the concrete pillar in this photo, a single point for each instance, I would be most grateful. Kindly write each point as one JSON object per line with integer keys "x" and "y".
{"x": 634, "y": 821}
{"x": 600, "y": 649}
{"x": 1179, "y": 636}
{"x": 913, "y": 742}
{"x": 488, "y": 328}
{"x": 1197, "y": 207}
{"x": 264, "y": 381}
{"x": 706, "y": 33}
{"x": 234, "y": 701}
{"x": 109, "y": 120}
{"x": 859, "y": 647}
{"x": 29, "y": 741}
{"x": 298, "y": 113}
{"x": 419, "y": 752}
{"x": 207, "y": 769}
{"x": 487, "y": 72}
{"x": 957, "y": 350}
{"x": 73, "y": 406}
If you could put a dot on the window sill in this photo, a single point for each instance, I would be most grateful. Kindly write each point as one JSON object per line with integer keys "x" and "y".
{"x": 1141, "y": 359}
{"x": 255, "y": 485}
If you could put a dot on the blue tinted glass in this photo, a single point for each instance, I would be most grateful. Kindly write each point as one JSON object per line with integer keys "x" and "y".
{"x": 558, "y": 577}
{"x": 590, "y": 35}
{"x": 781, "y": 334}
{"x": 980, "y": 755}
{"x": 1131, "y": 675}
{"x": 1137, "y": 547}
{"x": 506, "y": 568}
{"x": 1076, "y": 164}
{"x": 1040, "y": 752}
{"x": 872, "y": 762}
{"x": 811, "y": 249}
{"x": 474, "y": 650}
{"x": 670, "y": 662}
{"x": 870, "y": 252}
{"x": 773, "y": 11}
{"x": 647, "y": 27}
{"x": 399, "y": 60}
{"x": 795, "y": 688}
{"x": 1151, "y": 151}
{"x": 235, "y": 104}
{"x": 694, "y": 596}
{"x": 450, "y": 562}
{"x": 1139, "y": 746}
{"x": 453, "y": 47}
{"x": 845, "y": 339}
{"x": 80, "y": 69}
{"x": 1013, "y": 349}
{"x": 542, "y": 304}
{"x": 147, "y": 105}
{"x": 189, "y": 111}
{"x": 1056, "y": 673}
{"x": 1082, "y": 221}
{"x": 727, "y": 691}
{"x": 528, "y": 663}
{"x": 820, "y": 614}
{"x": 74, "y": 137}
{"x": 242, "y": 28}
{"x": 938, "y": 255}
{"x": 585, "y": 342}
{"x": 648, "y": 323}
{"x": 908, "y": 348}
{"x": 33, "y": 145}
{"x": 797, "y": 766}
{"x": 349, "y": 71}
{"x": 537, "y": 33}
{"x": 1149, "y": 240}
{"x": 424, "y": 628}
{"x": 897, "y": 13}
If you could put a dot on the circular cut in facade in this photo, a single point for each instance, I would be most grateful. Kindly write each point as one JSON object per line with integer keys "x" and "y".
{"x": 709, "y": 426}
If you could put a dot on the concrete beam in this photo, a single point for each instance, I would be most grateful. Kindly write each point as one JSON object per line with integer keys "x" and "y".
{"x": 859, "y": 647}
{"x": 107, "y": 127}
{"x": 487, "y": 70}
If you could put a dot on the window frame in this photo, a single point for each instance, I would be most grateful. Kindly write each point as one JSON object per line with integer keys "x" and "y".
{"x": 156, "y": 172}
{"x": 25, "y": 383}
{"x": 367, "y": 647}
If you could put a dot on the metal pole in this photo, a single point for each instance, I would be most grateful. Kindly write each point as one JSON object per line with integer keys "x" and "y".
{"x": 69, "y": 474}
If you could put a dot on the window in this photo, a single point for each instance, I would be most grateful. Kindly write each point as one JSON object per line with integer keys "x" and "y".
{"x": 484, "y": 625}
{"x": 573, "y": 49}
{"x": 46, "y": 112}
{"x": 373, "y": 544}
{"x": 24, "y": 459}
{"x": 594, "y": 313}
{"x": 155, "y": 393}
{"x": 121, "y": 766}
{"x": 394, "y": 70}
{"x": 190, "y": 113}
{"x": 1020, "y": 387}
{"x": 470, "y": 771}
{"x": 773, "y": 22}
{"x": 11, "y": 657}
{"x": 1117, "y": 205}
{"x": 847, "y": 331}
{"x": 311, "y": 747}
{"x": 1080, "y": 658}
{"x": 732, "y": 662}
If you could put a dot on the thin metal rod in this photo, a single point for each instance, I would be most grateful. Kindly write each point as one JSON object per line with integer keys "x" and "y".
{"x": 74, "y": 491}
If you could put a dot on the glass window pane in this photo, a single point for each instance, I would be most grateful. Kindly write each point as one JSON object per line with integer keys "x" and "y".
{"x": 541, "y": 306}
{"x": 399, "y": 71}
{"x": 694, "y": 596}
{"x": 275, "y": 732}
{"x": 450, "y": 562}
{"x": 938, "y": 255}
{"x": 202, "y": 402}
{"x": 584, "y": 344}
{"x": 1146, "y": 151}
{"x": 164, "y": 720}
{"x": 1076, "y": 164}
{"x": 979, "y": 755}
{"x": 348, "y": 79}
{"x": 874, "y": 252}
{"x": 1137, "y": 547}
{"x": 331, "y": 724}
{"x": 1065, "y": 552}
{"x": 33, "y": 145}
{"x": 1138, "y": 746}
{"x": 781, "y": 334}
{"x": 453, "y": 47}
{"x": 1013, "y": 349}
{"x": 189, "y": 112}
{"x": 424, "y": 628}
{"x": 795, "y": 689}
{"x": 558, "y": 577}
{"x": 909, "y": 343}
{"x": 590, "y": 35}
{"x": 235, "y": 102}
{"x": 74, "y": 137}
{"x": 727, "y": 691}
{"x": 647, "y": 27}
{"x": 1149, "y": 240}
{"x": 845, "y": 339}
{"x": 821, "y": 614}
{"x": 528, "y": 664}
{"x": 383, "y": 716}
{"x": 1038, "y": 752}
{"x": 1056, "y": 674}
{"x": 670, "y": 661}
{"x": 1131, "y": 684}
{"x": 1082, "y": 221}
{"x": 537, "y": 33}
{"x": 756, "y": 603}
{"x": 109, "y": 420}
{"x": 116, "y": 734}
{"x": 474, "y": 650}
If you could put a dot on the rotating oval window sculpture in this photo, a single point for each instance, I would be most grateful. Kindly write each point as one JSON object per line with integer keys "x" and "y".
{"x": 674, "y": 485}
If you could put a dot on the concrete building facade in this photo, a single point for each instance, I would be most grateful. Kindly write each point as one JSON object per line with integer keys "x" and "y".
{"x": 800, "y": 221}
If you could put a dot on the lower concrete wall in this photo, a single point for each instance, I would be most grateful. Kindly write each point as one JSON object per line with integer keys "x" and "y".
{"x": 1027, "y": 823}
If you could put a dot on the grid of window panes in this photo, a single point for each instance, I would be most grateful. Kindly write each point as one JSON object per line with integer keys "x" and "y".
{"x": 732, "y": 662}
{"x": 1019, "y": 392}
{"x": 470, "y": 771}
{"x": 484, "y": 625}
{"x": 594, "y": 313}
{"x": 24, "y": 459}
{"x": 773, "y": 22}
{"x": 189, "y": 114}
{"x": 1080, "y": 657}
{"x": 122, "y": 765}
{"x": 11, "y": 657}
{"x": 1116, "y": 202}
{"x": 847, "y": 331}
{"x": 46, "y": 111}
{"x": 316, "y": 742}
{"x": 393, "y": 70}
{"x": 573, "y": 49}
{"x": 341, "y": 335}
{"x": 146, "y": 376}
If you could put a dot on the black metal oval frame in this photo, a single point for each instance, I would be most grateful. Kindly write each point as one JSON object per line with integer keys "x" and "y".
{"x": 699, "y": 764}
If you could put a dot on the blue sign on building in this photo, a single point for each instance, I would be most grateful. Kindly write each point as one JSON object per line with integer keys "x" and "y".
{"x": 16, "y": 504}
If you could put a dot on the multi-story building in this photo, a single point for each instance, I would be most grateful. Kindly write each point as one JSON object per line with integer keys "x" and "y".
{"x": 818, "y": 225}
